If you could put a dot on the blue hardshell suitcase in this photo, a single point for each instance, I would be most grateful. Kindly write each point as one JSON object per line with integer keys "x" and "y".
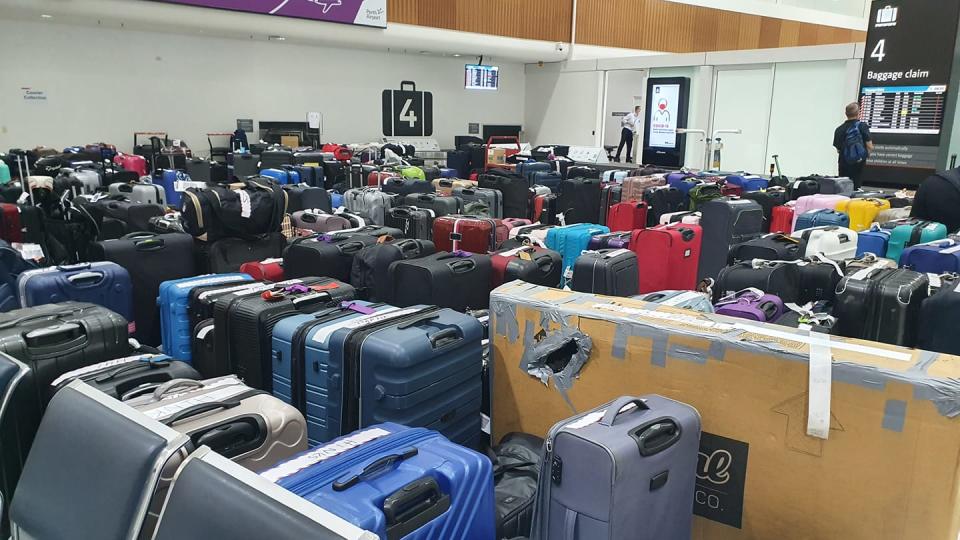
{"x": 748, "y": 183}
{"x": 821, "y": 218}
{"x": 448, "y": 173}
{"x": 397, "y": 482}
{"x": 937, "y": 257}
{"x": 363, "y": 363}
{"x": 106, "y": 284}
{"x": 171, "y": 180}
{"x": 548, "y": 179}
{"x": 873, "y": 241}
{"x": 336, "y": 199}
{"x": 282, "y": 176}
{"x": 528, "y": 168}
{"x": 570, "y": 242}
{"x": 312, "y": 175}
{"x": 174, "y": 302}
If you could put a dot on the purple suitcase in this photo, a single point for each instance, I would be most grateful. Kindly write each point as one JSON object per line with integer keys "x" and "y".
{"x": 752, "y": 304}
{"x": 617, "y": 240}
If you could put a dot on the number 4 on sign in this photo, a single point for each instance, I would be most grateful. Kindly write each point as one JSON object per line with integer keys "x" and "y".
{"x": 407, "y": 115}
{"x": 878, "y": 51}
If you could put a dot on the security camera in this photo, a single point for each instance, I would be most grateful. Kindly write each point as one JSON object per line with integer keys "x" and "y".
{"x": 561, "y": 47}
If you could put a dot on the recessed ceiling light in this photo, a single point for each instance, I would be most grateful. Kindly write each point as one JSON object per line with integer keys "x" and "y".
{"x": 45, "y": 16}
{"x": 455, "y": 55}
{"x": 276, "y": 38}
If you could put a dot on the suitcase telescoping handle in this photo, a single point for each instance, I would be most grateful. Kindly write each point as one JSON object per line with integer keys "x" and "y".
{"x": 374, "y": 467}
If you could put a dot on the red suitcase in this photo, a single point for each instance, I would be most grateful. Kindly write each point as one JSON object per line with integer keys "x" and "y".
{"x": 129, "y": 162}
{"x": 513, "y": 223}
{"x": 468, "y": 233}
{"x": 627, "y": 216}
{"x": 339, "y": 151}
{"x": 782, "y": 220}
{"x": 10, "y": 229}
{"x": 377, "y": 178}
{"x": 265, "y": 270}
{"x": 731, "y": 190}
{"x": 536, "y": 265}
{"x": 668, "y": 257}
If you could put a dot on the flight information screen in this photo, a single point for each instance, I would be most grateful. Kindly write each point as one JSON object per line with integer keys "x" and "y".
{"x": 904, "y": 109}
{"x": 482, "y": 77}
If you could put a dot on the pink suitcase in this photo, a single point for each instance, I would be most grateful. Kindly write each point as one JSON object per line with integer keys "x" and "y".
{"x": 816, "y": 202}
{"x": 129, "y": 162}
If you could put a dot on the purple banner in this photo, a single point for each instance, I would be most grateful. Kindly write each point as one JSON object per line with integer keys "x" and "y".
{"x": 360, "y": 12}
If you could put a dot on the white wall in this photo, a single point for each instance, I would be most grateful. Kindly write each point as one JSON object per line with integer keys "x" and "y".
{"x": 562, "y": 107}
{"x": 742, "y": 101}
{"x": 191, "y": 85}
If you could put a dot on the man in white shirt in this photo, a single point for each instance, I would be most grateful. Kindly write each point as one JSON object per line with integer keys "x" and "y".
{"x": 628, "y": 126}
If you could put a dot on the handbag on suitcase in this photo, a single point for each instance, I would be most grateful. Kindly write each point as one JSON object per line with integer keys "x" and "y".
{"x": 626, "y": 469}
{"x": 244, "y": 322}
{"x": 142, "y": 193}
{"x": 370, "y": 272}
{"x": 150, "y": 259}
{"x": 436, "y": 490}
{"x": 457, "y": 281}
{"x": 420, "y": 365}
{"x": 265, "y": 270}
{"x": 615, "y": 240}
{"x": 668, "y": 256}
{"x": 752, "y": 305}
{"x": 468, "y": 233}
{"x": 250, "y": 427}
{"x": 769, "y": 247}
{"x": 106, "y": 284}
{"x": 173, "y": 300}
{"x": 536, "y": 265}
{"x": 611, "y": 272}
{"x": 127, "y": 377}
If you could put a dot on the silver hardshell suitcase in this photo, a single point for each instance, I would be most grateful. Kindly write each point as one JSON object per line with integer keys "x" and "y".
{"x": 626, "y": 469}
{"x": 251, "y": 427}
{"x": 140, "y": 193}
{"x": 491, "y": 197}
{"x": 370, "y": 203}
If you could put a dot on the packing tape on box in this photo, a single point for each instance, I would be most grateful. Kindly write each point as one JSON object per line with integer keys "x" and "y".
{"x": 536, "y": 356}
{"x": 820, "y": 382}
{"x": 505, "y": 320}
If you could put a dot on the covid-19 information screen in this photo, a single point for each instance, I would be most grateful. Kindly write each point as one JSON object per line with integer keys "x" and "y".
{"x": 905, "y": 85}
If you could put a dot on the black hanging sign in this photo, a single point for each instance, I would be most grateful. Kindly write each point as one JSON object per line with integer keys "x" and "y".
{"x": 407, "y": 112}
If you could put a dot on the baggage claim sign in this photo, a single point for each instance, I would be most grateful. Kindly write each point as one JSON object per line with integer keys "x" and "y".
{"x": 904, "y": 87}
{"x": 360, "y": 12}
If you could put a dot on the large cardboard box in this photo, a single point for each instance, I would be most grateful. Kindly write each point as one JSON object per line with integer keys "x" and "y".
{"x": 887, "y": 469}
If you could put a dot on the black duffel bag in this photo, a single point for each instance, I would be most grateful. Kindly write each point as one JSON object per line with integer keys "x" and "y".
{"x": 516, "y": 469}
{"x": 249, "y": 209}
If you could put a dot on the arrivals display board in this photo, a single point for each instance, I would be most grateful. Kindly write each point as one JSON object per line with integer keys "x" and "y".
{"x": 905, "y": 87}
{"x": 666, "y": 112}
{"x": 359, "y": 12}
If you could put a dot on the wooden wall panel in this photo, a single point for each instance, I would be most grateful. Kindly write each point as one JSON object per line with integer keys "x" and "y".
{"x": 655, "y": 25}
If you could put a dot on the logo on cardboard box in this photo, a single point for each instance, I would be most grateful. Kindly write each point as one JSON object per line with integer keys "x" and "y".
{"x": 721, "y": 479}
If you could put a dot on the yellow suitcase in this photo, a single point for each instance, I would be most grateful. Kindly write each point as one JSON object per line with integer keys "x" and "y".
{"x": 863, "y": 212}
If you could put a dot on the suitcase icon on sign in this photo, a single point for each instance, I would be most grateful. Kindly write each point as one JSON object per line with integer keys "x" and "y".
{"x": 887, "y": 16}
{"x": 407, "y": 111}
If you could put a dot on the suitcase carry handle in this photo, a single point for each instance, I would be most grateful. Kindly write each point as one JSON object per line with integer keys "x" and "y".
{"x": 161, "y": 390}
{"x": 59, "y": 340}
{"x": 418, "y": 320}
{"x": 375, "y": 466}
{"x": 655, "y": 437}
{"x": 200, "y": 408}
{"x": 86, "y": 279}
{"x": 413, "y": 506}
{"x": 232, "y": 439}
{"x": 411, "y": 84}
{"x": 614, "y": 409}
{"x": 131, "y": 367}
{"x": 444, "y": 337}
{"x": 150, "y": 244}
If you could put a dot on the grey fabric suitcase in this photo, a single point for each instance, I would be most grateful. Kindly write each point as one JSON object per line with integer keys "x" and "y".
{"x": 836, "y": 185}
{"x": 142, "y": 193}
{"x": 370, "y": 203}
{"x": 626, "y": 469}
{"x": 490, "y": 197}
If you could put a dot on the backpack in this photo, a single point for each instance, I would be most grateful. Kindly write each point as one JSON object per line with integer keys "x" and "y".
{"x": 854, "y": 149}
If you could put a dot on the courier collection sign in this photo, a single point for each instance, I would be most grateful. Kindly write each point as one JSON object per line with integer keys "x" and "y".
{"x": 905, "y": 87}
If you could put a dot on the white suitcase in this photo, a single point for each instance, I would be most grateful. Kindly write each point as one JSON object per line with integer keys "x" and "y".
{"x": 687, "y": 218}
{"x": 834, "y": 243}
{"x": 141, "y": 193}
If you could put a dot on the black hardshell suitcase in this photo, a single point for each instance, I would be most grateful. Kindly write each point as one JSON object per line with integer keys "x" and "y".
{"x": 334, "y": 174}
{"x": 203, "y": 345}
{"x": 405, "y": 186}
{"x": 768, "y": 200}
{"x": 325, "y": 255}
{"x": 612, "y": 272}
{"x": 819, "y": 280}
{"x": 275, "y": 159}
{"x": 370, "y": 274}
{"x": 243, "y": 324}
{"x": 150, "y": 259}
{"x": 771, "y": 247}
{"x": 777, "y": 278}
{"x": 459, "y": 282}
{"x": 441, "y": 206}
{"x": 130, "y": 376}
{"x": 726, "y": 222}
{"x": 610, "y": 195}
{"x": 226, "y": 255}
{"x": 803, "y": 187}
{"x": 580, "y": 200}
{"x": 414, "y": 222}
{"x": 881, "y": 305}
{"x": 201, "y": 301}
{"x": 514, "y": 189}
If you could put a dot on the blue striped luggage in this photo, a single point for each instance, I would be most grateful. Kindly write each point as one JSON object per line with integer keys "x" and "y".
{"x": 570, "y": 242}
{"x": 174, "y": 302}
{"x": 106, "y": 284}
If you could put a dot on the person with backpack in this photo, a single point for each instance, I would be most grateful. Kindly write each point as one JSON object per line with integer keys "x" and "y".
{"x": 854, "y": 144}
{"x": 938, "y": 199}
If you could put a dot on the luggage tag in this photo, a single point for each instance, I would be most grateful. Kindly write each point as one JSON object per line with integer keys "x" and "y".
{"x": 353, "y": 306}
{"x": 462, "y": 254}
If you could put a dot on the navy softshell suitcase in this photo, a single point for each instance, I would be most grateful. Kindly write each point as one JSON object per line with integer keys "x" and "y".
{"x": 106, "y": 284}
{"x": 397, "y": 482}
{"x": 363, "y": 363}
